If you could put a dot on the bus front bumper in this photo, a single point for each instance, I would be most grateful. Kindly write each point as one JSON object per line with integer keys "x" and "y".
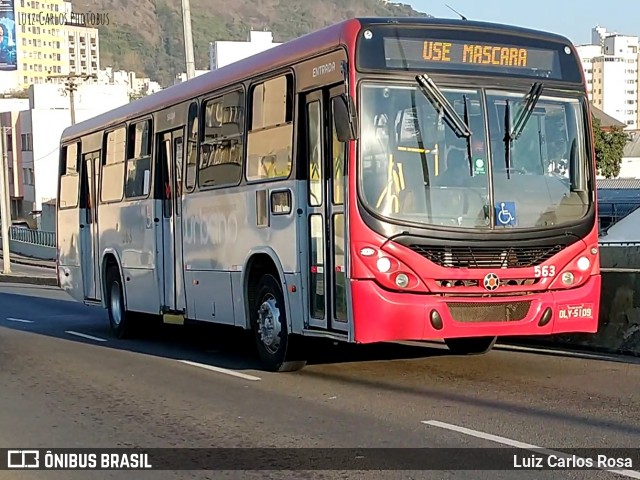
{"x": 381, "y": 315}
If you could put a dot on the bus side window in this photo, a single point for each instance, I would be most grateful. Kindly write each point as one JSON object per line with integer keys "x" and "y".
{"x": 192, "y": 148}
{"x": 338, "y": 167}
{"x": 222, "y": 143}
{"x": 112, "y": 178}
{"x": 315, "y": 152}
{"x": 178, "y": 158}
{"x": 138, "y": 181}
{"x": 69, "y": 178}
{"x": 270, "y": 139}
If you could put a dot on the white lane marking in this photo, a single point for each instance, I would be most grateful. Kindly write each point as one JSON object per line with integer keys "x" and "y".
{"x": 233, "y": 373}
{"x": 517, "y": 444}
{"x": 19, "y": 320}
{"x": 84, "y": 335}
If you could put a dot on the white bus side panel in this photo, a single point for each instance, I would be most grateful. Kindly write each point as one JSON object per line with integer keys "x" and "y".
{"x": 119, "y": 224}
{"x": 297, "y": 311}
{"x": 212, "y": 297}
{"x": 220, "y": 228}
{"x": 68, "y": 240}
{"x": 138, "y": 255}
{"x": 237, "y": 291}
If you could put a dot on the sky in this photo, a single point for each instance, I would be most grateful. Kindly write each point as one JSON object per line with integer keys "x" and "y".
{"x": 571, "y": 18}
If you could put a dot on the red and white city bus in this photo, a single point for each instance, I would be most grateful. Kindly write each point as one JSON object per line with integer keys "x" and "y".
{"x": 378, "y": 180}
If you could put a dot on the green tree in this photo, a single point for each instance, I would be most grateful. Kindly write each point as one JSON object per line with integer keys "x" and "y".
{"x": 609, "y": 149}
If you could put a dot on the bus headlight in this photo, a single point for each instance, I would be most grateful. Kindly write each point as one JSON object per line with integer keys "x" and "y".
{"x": 568, "y": 278}
{"x": 383, "y": 264}
{"x": 402, "y": 280}
{"x": 584, "y": 264}
{"x": 388, "y": 271}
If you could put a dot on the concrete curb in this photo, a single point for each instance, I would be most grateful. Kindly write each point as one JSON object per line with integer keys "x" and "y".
{"x": 29, "y": 280}
{"x": 32, "y": 263}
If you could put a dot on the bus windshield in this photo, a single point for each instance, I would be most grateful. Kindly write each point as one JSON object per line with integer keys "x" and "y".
{"x": 415, "y": 167}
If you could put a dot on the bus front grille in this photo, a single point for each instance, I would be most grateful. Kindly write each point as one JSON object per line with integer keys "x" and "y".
{"x": 487, "y": 257}
{"x": 475, "y": 312}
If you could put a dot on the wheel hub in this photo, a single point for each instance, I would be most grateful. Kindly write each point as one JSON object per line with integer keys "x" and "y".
{"x": 269, "y": 325}
{"x": 116, "y": 303}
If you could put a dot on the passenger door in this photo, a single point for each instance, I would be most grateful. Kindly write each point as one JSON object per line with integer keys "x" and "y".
{"x": 326, "y": 163}
{"x": 89, "y": 225}
{"x": 170, "y": 156}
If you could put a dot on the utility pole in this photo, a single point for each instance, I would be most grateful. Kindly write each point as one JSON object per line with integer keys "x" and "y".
{"x": 5, "y": 204}
{"x": 71, "y": 86}
{"x": 188, "y": 40}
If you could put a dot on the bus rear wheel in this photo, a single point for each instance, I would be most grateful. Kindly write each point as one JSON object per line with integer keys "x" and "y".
{"x": 118, "y": 317}
{"x": 277, "y": 350}
{"x": 470, "y": 346}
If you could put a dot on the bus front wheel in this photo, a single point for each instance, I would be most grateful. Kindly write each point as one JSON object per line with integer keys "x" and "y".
{"x": 470, "y": 346}
{"x": 276, "y": 348}
{"x": 118, "y": 318}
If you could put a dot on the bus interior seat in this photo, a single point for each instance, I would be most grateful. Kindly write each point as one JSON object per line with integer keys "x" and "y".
{"x": 374, "y": 169}
{"x": 412, "y": 198}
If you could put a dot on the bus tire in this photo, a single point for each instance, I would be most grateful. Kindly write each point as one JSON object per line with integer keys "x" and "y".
{"x": 470, "y": 346}
{"x": 277, "y": 349}
{"x": 119, "y": 319}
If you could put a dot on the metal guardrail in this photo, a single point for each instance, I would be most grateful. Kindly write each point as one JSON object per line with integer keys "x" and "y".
{"x": 610, "y": 213}
{"x": 34, "y": 237}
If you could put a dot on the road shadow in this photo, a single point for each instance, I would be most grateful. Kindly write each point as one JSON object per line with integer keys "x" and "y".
{"x": 232, "y": 348}
{"x": 210, "y": 344}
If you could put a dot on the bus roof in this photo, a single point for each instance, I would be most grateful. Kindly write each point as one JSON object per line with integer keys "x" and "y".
{"x": 462, "y": 24}
{"x": 277, "y": 57}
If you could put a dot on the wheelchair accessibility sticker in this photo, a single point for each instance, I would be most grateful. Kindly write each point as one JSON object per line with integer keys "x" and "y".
{"x": 506, "y": 214}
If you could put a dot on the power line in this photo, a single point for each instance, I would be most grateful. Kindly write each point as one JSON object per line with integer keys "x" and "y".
{"x": 44, "y": 157}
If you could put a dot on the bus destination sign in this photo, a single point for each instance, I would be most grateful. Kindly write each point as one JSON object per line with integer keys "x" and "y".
{"x": 470, "y": 56}
{"x": 474, "y": 53}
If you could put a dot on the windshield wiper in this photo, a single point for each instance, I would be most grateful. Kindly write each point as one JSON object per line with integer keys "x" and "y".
{"x": 507, "y": 138}
{"x": 459, "y": 126}
{"x": 531, "y": 101}
{"x": 466, "y": 121}
{"x": 510, "y": 135}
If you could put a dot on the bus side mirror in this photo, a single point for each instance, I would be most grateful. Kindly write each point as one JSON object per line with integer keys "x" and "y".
{"x": 345, "y": 121}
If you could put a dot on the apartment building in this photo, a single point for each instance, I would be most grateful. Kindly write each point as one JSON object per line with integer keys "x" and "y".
{"x": 20, "y": 165}
{"x": 611, "y": 67}
{"x": 43, "y": 41}
{"x": 81, "y": 46}
{"x": 39, "y": 44}
{"x": 137, "y": 86}
{"x": 33, "y": 144}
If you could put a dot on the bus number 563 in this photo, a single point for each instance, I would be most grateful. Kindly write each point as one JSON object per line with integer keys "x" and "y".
{"x": 546, "y": 271}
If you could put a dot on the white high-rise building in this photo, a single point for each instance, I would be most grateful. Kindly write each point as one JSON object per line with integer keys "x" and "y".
{"x": 81, "y": 45}
{"x": 610, "y": 65}
{"x": 223, "y": 53}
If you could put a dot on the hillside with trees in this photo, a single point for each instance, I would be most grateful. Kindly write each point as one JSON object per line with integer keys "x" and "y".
{"x": 146, "y": 36}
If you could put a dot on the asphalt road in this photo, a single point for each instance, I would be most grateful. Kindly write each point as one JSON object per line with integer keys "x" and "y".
{"x": 65, "y": 381}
